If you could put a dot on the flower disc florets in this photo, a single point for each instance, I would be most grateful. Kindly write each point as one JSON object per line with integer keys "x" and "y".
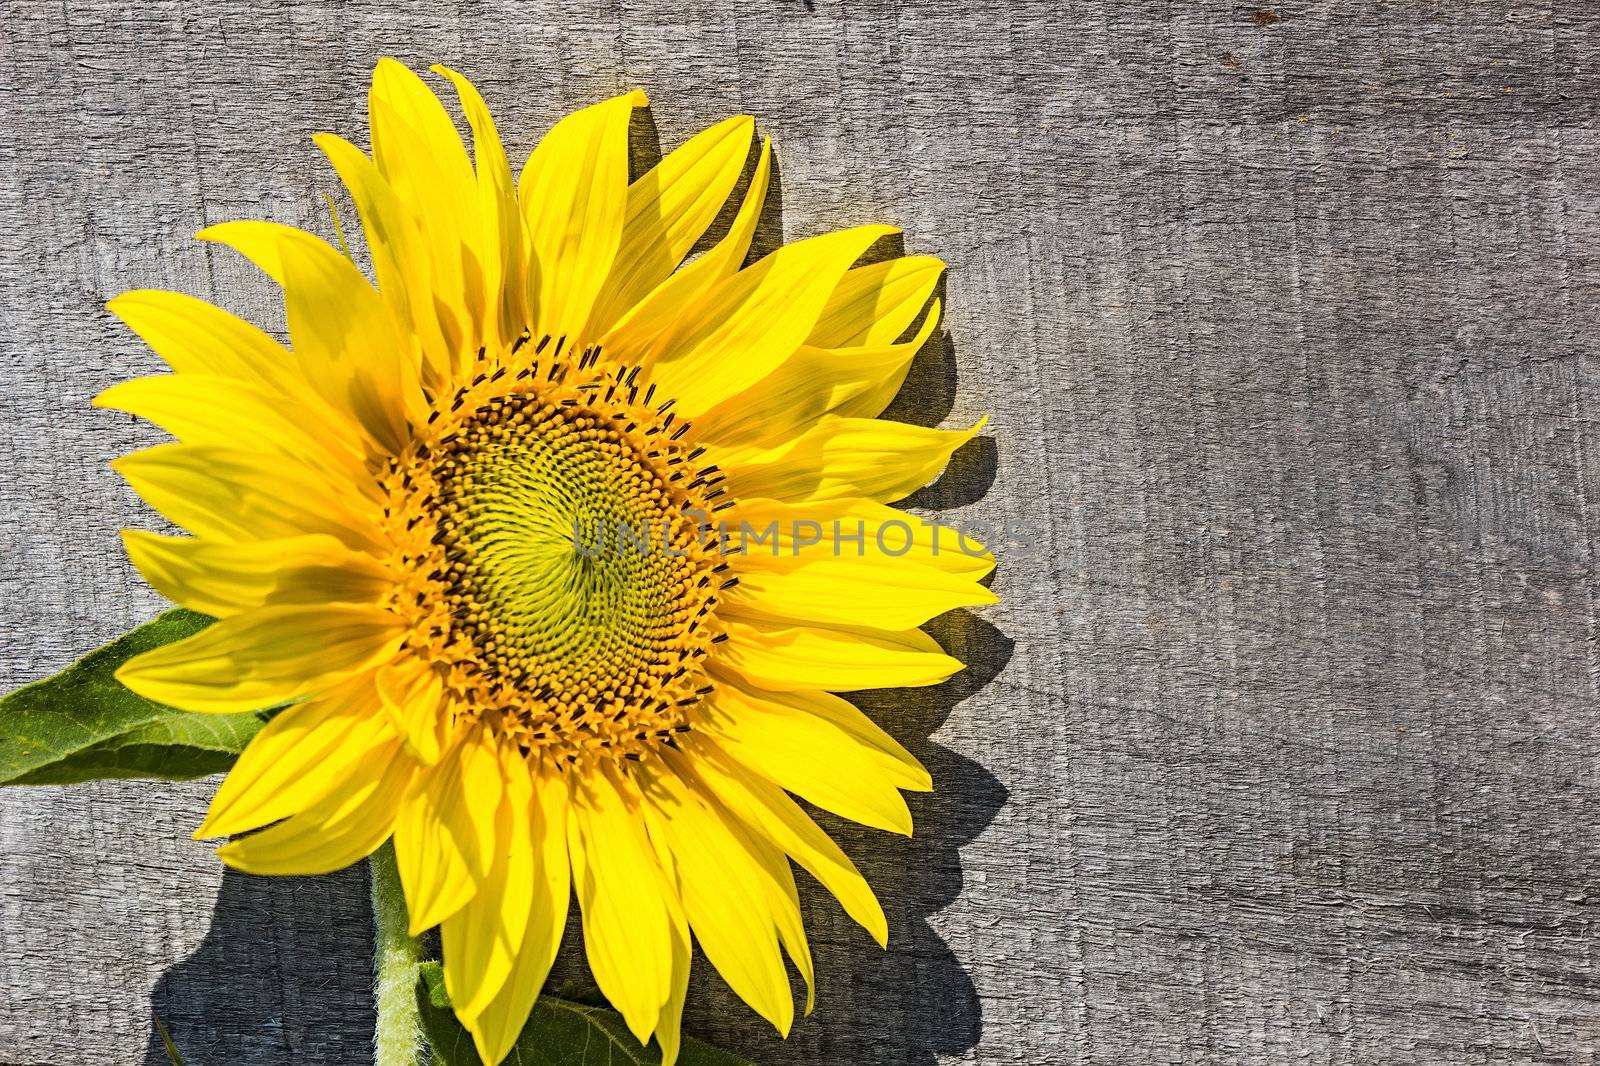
{"x": 551, "y": 514}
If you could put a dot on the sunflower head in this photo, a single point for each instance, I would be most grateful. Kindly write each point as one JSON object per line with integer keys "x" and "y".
{"x": 559, "y": 542}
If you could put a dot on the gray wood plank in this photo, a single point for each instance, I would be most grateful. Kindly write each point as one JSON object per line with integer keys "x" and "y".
{"x": 1283, "y": 743}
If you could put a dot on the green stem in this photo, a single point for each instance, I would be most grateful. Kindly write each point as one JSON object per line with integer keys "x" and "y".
{"x": 396, "y": 958}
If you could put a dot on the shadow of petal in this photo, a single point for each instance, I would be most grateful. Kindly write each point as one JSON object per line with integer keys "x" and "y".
{"x": 283, "y": 975}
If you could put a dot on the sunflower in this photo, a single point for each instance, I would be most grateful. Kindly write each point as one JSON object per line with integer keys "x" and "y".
{"x": 408, "y": 524}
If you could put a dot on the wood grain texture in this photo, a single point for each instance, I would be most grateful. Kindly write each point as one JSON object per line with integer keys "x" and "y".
{"x": 1283, "y": 745}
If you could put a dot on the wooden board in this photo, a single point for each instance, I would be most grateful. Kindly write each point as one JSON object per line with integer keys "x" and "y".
{"x": 1283, "y": 745}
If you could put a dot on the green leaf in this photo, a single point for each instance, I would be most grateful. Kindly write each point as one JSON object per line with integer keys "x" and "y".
{"x": 558, "y": 1033}
{"x": 82, "y": 724}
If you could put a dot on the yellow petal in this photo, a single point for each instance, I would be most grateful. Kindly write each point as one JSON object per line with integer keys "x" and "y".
{"x": 669, "y": 1023}
{"x": 771, "y": 814}
{"x": 342, "y": 331}
{"x": 574, "y": 192}
{"x": 412, "y": 694}
{"x": 444, "y": 837}
{"x": 669, "y": 207}
{"x": 893, "y": 760}
{"x": 260, "y": 242}
{"x": 626, "y": 926}
{"x": 726, "y": 893}
{"x": 298, "y": 758}
{"x": 669, "y": 1026}
{"x": 792, "y": 658}
{"x": 809, "y": 384}
{"x": 224, "y": 412}
{"x": 502, "y": 239}
{"x": 876, "y": 303}
{"x": 482, "y": 939}
{"x": 784, "y": 903}
{"x": 193, "y": 337}
{"x": 871, "y": 401}
{"x": 402, "y": 260}
{"x": 223, "y": 578}
{"x": 843, "y": 457}
{"x": 873, "y": 589}
{"x": 749, "y": 323}
{"x": 419, "y": 153}
{"x": 343, "y": 827}
{"x": 262, "y": 658}
{"x": 498, "y": 1025}
{"x": 807, "y": 755}
{"x": 636, "y": 334}
{"x": 227, "y": 494}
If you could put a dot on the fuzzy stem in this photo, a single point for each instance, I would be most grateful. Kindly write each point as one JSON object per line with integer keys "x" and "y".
{"x": 396, "y": 957}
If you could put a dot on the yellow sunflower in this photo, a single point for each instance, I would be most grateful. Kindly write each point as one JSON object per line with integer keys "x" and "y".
{"x": 410, "y": 524}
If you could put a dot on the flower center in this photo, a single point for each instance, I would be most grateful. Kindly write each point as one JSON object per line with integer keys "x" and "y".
{"x": 551, "y": 520}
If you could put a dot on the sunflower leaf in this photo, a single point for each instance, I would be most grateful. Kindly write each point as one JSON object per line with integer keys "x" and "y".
{"x": 559, "y": 1033}
{"x": 82, "y": 724}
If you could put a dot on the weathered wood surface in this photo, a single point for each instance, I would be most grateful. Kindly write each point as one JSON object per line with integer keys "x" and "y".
{"x": 1283, "y": 745}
